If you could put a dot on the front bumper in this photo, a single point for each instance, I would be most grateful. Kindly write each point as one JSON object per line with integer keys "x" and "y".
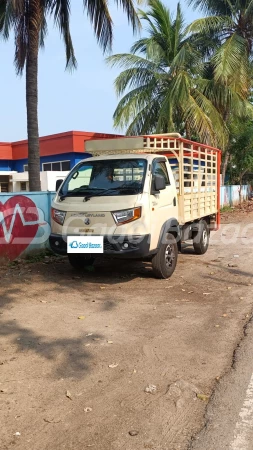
{"x": 116, "y": 245}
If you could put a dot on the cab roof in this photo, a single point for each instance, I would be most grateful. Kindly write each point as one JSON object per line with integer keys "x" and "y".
{"x": 121, "y": 156}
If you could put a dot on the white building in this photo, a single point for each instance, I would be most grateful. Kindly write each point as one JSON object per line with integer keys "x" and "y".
{"x": 18, "y": 181}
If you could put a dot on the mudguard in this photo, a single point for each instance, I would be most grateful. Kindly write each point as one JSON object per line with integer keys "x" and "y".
{"x": 170, "y": 226}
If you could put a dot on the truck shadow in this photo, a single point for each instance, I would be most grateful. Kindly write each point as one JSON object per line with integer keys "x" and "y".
{"x": 187, "y": 249}
{"x": 105, "y": 271}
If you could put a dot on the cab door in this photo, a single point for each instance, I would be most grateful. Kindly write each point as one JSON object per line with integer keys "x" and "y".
{"x": 163, "y": 204}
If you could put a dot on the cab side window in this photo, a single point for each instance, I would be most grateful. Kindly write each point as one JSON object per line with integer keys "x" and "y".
{"x": 159, "y": 168}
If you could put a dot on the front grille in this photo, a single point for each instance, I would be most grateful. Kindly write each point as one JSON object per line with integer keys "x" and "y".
{"x": 108, "y": 246}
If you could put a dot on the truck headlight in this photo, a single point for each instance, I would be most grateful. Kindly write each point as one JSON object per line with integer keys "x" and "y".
{"x": 58, "y": 216}
{"x": 127, "y": 215}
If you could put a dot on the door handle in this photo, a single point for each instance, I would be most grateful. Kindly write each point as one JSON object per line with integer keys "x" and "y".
{"x": 174, "y": 201}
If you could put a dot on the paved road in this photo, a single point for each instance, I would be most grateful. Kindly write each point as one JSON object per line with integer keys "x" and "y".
{"x": 230, "y": 414}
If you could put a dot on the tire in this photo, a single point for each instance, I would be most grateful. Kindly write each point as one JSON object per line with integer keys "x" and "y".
{"x": 165, "y": 260}
{"x": 201, "y": 238}
{"x": 79, "y": 262}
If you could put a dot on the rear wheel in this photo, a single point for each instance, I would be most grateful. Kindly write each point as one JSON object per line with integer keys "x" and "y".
{"x": 165, "y": 261}
{"x": 79, "y": 262}
{"x": 201, "y": 238}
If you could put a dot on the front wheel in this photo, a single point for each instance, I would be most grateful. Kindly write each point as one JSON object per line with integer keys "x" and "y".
{"x": 201, "y": 238}
{"x": 79, "y": 262}
{"x": 165, "y": 260}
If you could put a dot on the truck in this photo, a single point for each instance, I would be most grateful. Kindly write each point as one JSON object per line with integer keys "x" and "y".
{"x": 138, "y": 198}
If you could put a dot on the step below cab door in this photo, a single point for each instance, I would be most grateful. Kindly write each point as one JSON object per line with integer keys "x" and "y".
{"x": 163, "y": 203}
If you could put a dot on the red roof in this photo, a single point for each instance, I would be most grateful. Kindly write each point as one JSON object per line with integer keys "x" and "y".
{"x": 54, "y": 144}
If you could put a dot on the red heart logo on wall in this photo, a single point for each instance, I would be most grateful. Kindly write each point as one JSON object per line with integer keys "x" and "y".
{"x": 19, "y": 223}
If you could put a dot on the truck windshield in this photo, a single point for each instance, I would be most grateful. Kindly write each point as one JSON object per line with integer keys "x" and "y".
{"x": 105, "y": 177}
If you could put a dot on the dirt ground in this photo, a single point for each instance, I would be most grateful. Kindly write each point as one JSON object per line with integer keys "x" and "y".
{"x": 79, "y": 350}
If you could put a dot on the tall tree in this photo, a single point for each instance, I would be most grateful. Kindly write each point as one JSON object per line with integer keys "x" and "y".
{"x": 28, "y": 20}
{"x": 241, "y": 151}
{"x": 170, "y": 89}
{"x": 229, "y": 22}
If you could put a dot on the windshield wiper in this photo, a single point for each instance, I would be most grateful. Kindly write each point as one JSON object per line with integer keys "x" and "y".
{"x": 105, "y": 191}
{"x": 78, "y": 192}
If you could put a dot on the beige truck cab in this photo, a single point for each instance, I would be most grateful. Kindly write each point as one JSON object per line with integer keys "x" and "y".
{"x": 138, "y": 198}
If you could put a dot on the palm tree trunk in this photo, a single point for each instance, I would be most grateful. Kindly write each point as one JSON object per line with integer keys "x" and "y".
{"x": 32, "y": 97}
{"x": 241, "y": 184}
{"x": 224, "y": 167}
{"x": 226, "y": 158}
{"x": 188, "y": 130}
{"x": 240, "y": 191}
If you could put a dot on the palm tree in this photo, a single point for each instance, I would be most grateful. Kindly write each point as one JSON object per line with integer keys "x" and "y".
{"x": 164, "y": 72}
{"x": 229, "y": 22}
{"x": 28, "y": 20}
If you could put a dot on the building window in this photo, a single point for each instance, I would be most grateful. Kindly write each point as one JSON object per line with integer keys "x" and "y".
{"x": 65, "y": 165}
{"x": 25, "y": 167}
{"x": 47, "y": 167}
{"x": 58, "y": 166}
{"x": 4, "y": 187}
{"x": 23, "y": 186}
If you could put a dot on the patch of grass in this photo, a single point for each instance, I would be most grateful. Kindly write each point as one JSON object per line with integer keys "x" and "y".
{"x": 36, "y": 257}
{"x": 225, "y": 209}
{"x": 13, "y": 263}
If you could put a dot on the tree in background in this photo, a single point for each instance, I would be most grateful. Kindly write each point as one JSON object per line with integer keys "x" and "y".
{"x": 171, "y": 83}
{"x": 28, "y": 20}
{"x": 230, "y": 24}
{"x": 240, "y": 151}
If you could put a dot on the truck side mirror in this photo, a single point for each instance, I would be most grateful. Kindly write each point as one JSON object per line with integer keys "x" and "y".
{"x": 159, "y": 183}
{"x": 57, "y": 185}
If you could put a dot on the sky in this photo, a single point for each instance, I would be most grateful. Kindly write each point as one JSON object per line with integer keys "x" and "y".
{"x": 82, "y": 100}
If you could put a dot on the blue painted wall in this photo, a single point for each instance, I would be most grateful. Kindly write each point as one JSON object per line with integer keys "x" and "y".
{"x": 18, "y": 165}
{"x": 6, "y": 165}
{"x": 229, "y": 195}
